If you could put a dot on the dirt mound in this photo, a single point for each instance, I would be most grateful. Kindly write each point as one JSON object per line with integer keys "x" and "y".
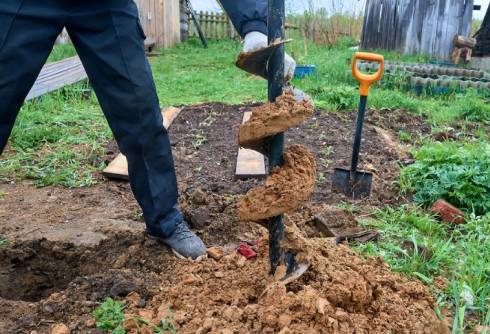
{"x": 272, "y": 118}
{"x": 284, "y": 190}
{"x": 340, "y": 293}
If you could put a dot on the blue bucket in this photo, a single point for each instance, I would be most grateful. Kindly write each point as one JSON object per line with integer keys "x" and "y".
{"x": 302, "y": 71}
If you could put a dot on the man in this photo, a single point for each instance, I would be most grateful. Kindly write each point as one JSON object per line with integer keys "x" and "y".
{"x": 109, "y": 40}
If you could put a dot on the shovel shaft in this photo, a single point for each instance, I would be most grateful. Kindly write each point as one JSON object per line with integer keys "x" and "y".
{"x": 357, "y": 139}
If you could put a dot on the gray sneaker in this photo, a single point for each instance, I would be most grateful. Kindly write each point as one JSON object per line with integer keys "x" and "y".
{"x": 185, "y": 243}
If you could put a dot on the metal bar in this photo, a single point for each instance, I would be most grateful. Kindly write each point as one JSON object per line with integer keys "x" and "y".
{"x": 358, "y": 135}
{"x": 196, "y": 23}
{"x": 275, "y": 24}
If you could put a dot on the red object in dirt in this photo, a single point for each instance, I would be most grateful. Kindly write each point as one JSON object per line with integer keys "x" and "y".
{"x": 448, "y": 212}
{"x": 246, "y": 251}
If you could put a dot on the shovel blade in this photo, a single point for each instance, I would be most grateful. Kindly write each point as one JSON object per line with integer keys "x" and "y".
{"x": 357, "y": 187}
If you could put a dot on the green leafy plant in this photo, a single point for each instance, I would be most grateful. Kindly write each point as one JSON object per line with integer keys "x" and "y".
{"x": 110, "y": 316}
{"x": 337, "y": 97}
{"x": 3, "y": 242}
{"x": 457, "y": 172}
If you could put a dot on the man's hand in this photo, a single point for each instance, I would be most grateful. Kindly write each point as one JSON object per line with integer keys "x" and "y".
{"x": 255, "y": 40}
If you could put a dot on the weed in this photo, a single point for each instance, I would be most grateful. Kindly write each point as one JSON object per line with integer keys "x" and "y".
{"x": 405, "y": 137}
{"x": 110, "y": 316}
{"x": 326, "y": 151}
{"x": 457, "y": 172}
{"x": 459, "y": 254}
{"x": 351, "y": 208}
{"x": 3, "y": 242}
{"x": 313, "y": 125}
{"x": 167, "y": 324}
{"x": 138, "y": 215}
{"x": 198, "y": 139}
{"x": 320, "y": 179}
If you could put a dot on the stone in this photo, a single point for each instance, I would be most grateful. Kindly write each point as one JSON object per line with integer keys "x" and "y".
{"x": 482, "y": 329}
{"x": 199, "y": 218}
{"x": 89, "y": 323}
{"x": 198, "y": 197}
{"x": 60, "y": 329}
{"x": 219, "y": 274}
{"x": 284, "y": 320}
{"x": 216, "y": 253}
{"x": 133, "y": 298}
{"x": 447, "y": 212}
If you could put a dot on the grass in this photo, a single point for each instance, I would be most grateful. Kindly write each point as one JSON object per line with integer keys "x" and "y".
{"x": 459, "y": 254}
{"x": 109, "y": 316}
{"x": 58, "y": 139}
{"x": 61, "y": 52}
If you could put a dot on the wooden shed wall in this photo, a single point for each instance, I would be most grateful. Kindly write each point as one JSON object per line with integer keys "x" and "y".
{"x": 416, "y": 26}
{"x": 160, "y": 20}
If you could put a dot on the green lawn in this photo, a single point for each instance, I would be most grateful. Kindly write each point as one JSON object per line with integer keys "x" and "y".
{"x": 59, "y": 139}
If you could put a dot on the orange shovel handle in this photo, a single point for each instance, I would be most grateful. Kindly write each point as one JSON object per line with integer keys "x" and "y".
{"x": 366, "y": 80}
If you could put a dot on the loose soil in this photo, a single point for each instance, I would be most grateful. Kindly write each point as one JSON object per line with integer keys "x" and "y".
{"x": 340, "y": 293}
{"x": 272, "y": 118}
{"x": 68, "y": 249}
{"x": 285, "y": 190}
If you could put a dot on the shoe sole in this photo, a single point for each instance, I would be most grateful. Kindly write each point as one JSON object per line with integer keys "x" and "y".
{"x": 177, "y": 254}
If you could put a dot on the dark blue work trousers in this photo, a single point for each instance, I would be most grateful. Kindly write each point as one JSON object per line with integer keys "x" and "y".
{"x": 109, "y": 40}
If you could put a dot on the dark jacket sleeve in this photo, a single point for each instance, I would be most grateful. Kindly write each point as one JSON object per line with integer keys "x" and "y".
{"x": 247, "y": 15}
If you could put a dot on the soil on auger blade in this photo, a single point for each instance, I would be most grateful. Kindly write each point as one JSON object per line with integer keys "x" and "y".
{"x": 285, "y": 190}
{"x": 66, "y": 250}
{"x": 340, "y": 293}
{"x": 272, "y": 118}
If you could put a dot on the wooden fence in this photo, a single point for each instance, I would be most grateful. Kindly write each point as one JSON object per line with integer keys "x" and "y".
{"x": 416, "y": 26}
{"x": 320, "y": 30}
{"x": 213, "y": 25}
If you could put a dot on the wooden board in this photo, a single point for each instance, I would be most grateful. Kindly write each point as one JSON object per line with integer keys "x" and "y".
{"x": 249, "y": 163}
{"x": 118, "y": 168}
{"x": 56, "y": 75}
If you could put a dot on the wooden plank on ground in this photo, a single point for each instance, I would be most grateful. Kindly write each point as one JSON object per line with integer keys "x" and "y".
{"x": 249, "y": 163}
{"x": 118, "y": 168}
{"x": 56, "y": 75}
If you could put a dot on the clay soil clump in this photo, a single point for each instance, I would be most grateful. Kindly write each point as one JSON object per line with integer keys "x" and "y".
{"x": 272, "y": 118}
{"x": 340, "y": 293}
{"x": 285, "y": 190}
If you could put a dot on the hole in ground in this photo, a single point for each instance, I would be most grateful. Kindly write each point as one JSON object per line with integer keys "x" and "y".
{"x": 33, "y": 270}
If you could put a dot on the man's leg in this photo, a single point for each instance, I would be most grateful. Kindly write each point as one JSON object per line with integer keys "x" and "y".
{"x": 109, "y": 40}
{"x": 28, "y": 30}
{"x": 247, "y": 15}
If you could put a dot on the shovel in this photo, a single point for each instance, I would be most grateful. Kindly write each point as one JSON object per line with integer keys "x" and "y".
{"x": 354, "y": 183}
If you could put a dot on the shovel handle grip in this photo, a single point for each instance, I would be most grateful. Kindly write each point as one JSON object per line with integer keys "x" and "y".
{"x": 366, "y": 80}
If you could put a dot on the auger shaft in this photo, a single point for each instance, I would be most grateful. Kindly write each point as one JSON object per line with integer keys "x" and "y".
{"x": 275, "y": 24}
